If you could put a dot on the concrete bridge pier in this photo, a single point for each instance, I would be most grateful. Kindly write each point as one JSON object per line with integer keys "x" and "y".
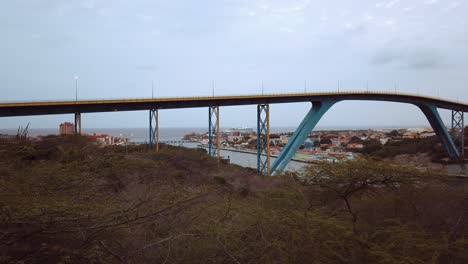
{"x": 78, "y": 124}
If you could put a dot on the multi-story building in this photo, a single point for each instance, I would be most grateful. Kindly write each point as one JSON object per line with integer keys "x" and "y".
{"x": 67, "y": 128}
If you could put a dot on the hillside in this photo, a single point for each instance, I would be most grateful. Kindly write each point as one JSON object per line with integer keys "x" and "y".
{"x": 65, "y": 200}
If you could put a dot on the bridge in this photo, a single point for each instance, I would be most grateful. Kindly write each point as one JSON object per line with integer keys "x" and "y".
{"x": 167, "y": 142}
{"x": 175, "y": 142}
{"x": 321, "y": 102}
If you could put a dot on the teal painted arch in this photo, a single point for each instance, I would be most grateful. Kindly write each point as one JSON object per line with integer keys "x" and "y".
{"x": 318, "y": 110}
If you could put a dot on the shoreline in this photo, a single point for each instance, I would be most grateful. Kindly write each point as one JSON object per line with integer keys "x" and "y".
{"x": 271, "y": 155}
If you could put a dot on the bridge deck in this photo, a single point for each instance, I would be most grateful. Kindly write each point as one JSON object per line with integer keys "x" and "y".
{"x": 89, "y": 106}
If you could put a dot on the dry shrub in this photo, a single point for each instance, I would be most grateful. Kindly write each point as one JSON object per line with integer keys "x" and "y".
{"x": 73, "y": 202}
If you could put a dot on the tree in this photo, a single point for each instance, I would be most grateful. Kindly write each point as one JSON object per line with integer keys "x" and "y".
{"x": 325, "y": 141}
{"x": 347, "y": 180}
{"x": 371, "y": 146}
{"x": 272, "y": 136}
{"x": 355, "y": 140}
{"x": 394, "y": 134}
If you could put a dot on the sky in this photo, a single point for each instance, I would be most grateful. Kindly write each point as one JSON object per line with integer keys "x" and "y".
{"x": 118, "y": 48}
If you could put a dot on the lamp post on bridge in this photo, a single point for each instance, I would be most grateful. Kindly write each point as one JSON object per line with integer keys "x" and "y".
{"x": 76, "y": 88}
{"x": 77, "y": 114}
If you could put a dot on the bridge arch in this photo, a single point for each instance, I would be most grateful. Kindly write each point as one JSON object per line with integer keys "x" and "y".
{"x": 318, "y": 110}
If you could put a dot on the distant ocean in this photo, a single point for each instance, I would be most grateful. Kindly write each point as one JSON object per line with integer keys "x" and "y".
{"x": 166, "y": 134}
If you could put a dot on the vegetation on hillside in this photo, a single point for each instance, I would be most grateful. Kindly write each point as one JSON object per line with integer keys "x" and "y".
{"x": 399, "y": 146}
{"x": 404, "y": 146}
{"x": 64, "y": 200}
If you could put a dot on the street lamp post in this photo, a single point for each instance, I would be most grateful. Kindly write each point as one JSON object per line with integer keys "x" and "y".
{"x": 76, "y": 88}
{"x": 77, "y": 114}
{"x": 212, "y": 88}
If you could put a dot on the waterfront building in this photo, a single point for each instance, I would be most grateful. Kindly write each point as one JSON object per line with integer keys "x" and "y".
{"x": 309, "y": 144}
{"x": 103, "y": 139}
{"x": 427, "y": 135}
{"x": 284, "y": 139}
{"x": 66, "y": 128}
{"x": 246, "y": 130}
{"x": 411, "y": 135}
{"x": 355, "y": 146}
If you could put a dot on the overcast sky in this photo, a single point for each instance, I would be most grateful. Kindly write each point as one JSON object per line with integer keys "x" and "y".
{"x": 117, "y": 48}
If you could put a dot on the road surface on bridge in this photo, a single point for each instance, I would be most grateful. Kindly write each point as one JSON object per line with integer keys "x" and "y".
{"x": 93, "y": 106}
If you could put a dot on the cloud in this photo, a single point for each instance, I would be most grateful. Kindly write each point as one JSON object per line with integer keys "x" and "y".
{"x": 61, "y": 10}
{"x": 408, "y": 9}
{"x": 417, "y": 59}
{"x": 324, "y": 15}
{"x": 389, "y": 4}
{"x": 147, "y": 67}
{"x": 392, "y": 3}
{"x": 451, "y": 6}
{"x": 352, "y": 29}
{"x": 425, "y": 60}
{"x": 384, "y": 57}
{"x": 145, "y": 17}
{"x": 285, "y": 29}
{"x": 90, "y": 4}
{"x": 389, "y": 22}
{"x": 431, "y": 2}
{"x": 368, "y": 17}
{"x": 155, "y": 32}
